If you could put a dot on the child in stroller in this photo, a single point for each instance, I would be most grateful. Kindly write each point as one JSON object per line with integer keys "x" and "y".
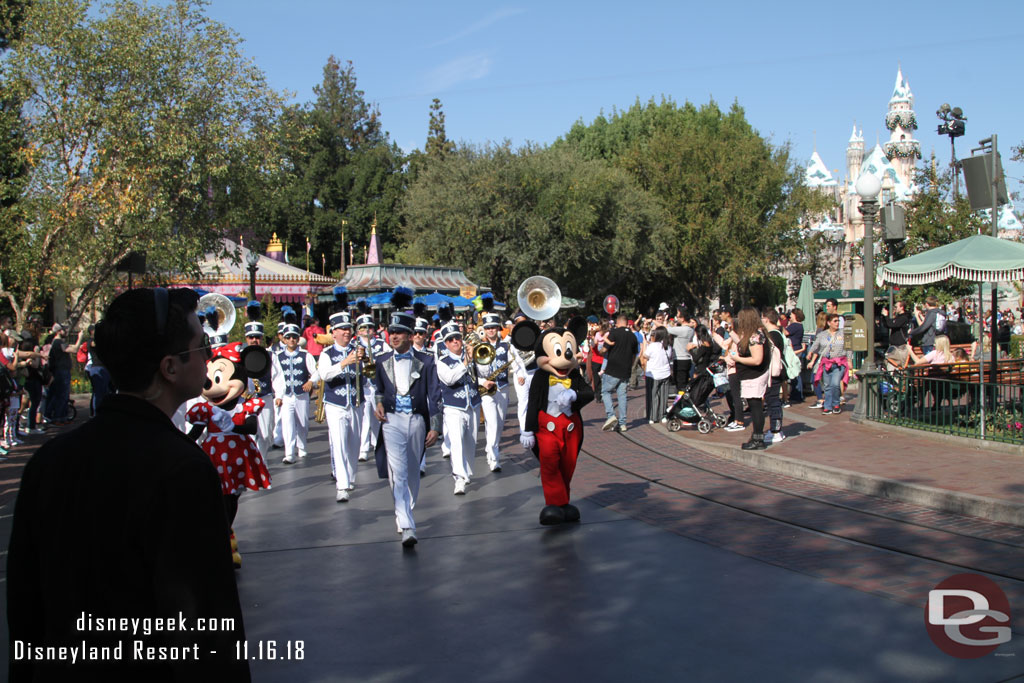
{"x": 693, "y": 405}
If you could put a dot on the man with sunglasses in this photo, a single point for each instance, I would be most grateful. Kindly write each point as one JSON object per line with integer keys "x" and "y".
{"x": 122, "y": 518}
{"x": 407, "y": 397}
{"x": 461, "y": 404}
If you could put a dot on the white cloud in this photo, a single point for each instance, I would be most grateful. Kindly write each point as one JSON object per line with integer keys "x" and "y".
{"x": 492, "y": 18}
{"x": 466, "y": 68}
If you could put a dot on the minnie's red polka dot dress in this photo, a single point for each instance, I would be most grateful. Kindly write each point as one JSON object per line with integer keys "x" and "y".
{"x": 236, "y": 457}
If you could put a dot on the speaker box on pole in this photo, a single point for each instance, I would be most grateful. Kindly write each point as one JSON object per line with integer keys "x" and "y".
{"x": 978, "y": 177}
{"x": 134, "y": 262}
{"x": 894, "y": 219}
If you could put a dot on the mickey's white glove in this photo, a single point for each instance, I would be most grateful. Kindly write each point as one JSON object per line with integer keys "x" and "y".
{"x": 566, "y": 398}
{"x": 528, "y": 440}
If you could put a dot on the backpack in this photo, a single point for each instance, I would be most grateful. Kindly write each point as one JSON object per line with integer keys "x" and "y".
{"x": 790, "y": 359}
{"x": 777, "y": 366}
{"x": 83, "y": 353}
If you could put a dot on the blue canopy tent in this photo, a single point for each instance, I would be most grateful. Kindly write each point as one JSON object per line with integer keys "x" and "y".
{"x": 433, "y": 300}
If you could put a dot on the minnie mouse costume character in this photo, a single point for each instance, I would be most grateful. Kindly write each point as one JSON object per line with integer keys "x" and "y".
{"x": 554, "y": 429}
{"x": 230, "y": 419}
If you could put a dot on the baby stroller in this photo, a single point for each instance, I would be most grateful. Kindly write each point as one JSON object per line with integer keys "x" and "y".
{"x": 693, "y": 405}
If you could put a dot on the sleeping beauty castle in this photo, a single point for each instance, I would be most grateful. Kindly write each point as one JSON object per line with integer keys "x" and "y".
{"x": 893, "y": 163}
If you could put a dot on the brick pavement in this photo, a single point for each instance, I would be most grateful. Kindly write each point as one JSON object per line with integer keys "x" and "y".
{"x": 902, "y": 455}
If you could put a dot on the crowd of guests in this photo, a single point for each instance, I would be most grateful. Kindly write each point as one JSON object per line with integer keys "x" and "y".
{"x": 669, "y": 350}
{"x": 35, "y": 377}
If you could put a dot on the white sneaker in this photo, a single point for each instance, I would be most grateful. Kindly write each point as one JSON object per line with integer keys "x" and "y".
{"x": 650, "y": 422}
{"x": 460, "y": 487}
{"x": 495, "y": 467}
{"x": 734, "y": 427}
{"x": 342, "y": 496}
{"x": 664, "y": 420}
{"x": 777, "y": 437}
{"x": 289, "y": 460}
{"x": 609, "y": 424}
{"x": 363, "y": 457}
{"x": 302, "y": 454}
{"x": 408, "y": 538}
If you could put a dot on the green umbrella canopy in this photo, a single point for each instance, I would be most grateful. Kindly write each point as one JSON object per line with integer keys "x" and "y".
{"x": 978, "y": 258}
{"x": 805, "y": 299}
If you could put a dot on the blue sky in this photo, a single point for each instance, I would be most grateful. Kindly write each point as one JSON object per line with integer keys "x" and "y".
{"x": 526, "y": 71}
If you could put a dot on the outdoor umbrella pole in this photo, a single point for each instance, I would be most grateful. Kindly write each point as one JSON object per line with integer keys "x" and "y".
{"x": 981, "y": 356}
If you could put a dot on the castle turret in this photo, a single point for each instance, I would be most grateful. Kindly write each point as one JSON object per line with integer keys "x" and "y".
{"x": 854, "y": 154}
{"x": 902, "y": 150}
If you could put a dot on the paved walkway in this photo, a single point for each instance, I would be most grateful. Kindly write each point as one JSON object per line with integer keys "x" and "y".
{"x": 688, "y": 565}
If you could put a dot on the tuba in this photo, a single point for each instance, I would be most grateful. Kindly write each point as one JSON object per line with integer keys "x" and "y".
{"x": 539, "y": 298}
{"x": 225, "y": 313}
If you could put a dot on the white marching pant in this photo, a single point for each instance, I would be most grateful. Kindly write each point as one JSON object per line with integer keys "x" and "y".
{"x": 265, "y": 426}
{"x": 343, "y": 425}
{"x": 460, "y": 428}
{"x": 522, "y": 395}
{"x": 278, "y": 437}
{"x": 494, "y": 409}
{"x": 370, "y": 423}
{"x": 294, "y": 423}
{"x": 404, "y": 435}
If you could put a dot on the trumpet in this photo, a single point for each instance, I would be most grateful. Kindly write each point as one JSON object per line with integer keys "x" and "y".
{"x": 369, "y": 368}
{"x": 482, "y": 352}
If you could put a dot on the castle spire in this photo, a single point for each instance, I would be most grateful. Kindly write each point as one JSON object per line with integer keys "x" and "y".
{"x": 902, "y": 149}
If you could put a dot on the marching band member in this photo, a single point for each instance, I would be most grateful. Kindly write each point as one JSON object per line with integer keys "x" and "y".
{"x": 461, "y": 404}
{"x": 421, "y": 329}
{"x": 407, "y": 410}
{"x": 420, "y": 332}
{"x": 372, "y": 347}
{"x": 275, "y": 349}
{"x": 260, "y": 387}
{"x": 522, "y": 377}
{"x": 339, "y": 370}
{"x": 444, "y": 315}
{"x": 493, "y": 405}
{"x": 294, "y": 374}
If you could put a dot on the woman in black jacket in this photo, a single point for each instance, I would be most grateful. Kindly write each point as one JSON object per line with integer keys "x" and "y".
{"x": 899, "y": 349}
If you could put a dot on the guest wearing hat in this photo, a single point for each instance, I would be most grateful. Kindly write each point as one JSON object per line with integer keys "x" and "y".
{"x": 461, "y": 404}
{"x": 407, "y": 395}
{"x": 366, "y": 327}
{"x": 260, "y": 387}
{"x": 293, "y": 375}
{"x": 494, "y": 393}
{"x": 339, "y": 369}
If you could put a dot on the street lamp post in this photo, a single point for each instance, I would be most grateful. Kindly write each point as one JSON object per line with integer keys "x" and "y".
{"x": 954, "y": 125}
{"x": 252, "y": 261}
{"x": 868, "y": 187}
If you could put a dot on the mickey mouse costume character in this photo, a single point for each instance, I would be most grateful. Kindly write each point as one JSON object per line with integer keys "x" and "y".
{"x": 230, "y": 419}
{"x": 554, "y": 429}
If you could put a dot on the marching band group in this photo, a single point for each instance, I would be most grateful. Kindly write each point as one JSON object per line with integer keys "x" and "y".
{"x": 392, "y": 399}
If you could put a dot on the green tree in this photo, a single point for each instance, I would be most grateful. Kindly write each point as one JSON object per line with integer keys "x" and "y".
{"x": 507, "y": 214}
{"x": 343, "y": 167}
{"x": 438, "y": 145}
{"x": 135, "y": 116}
{"x": 735, "y": 202}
